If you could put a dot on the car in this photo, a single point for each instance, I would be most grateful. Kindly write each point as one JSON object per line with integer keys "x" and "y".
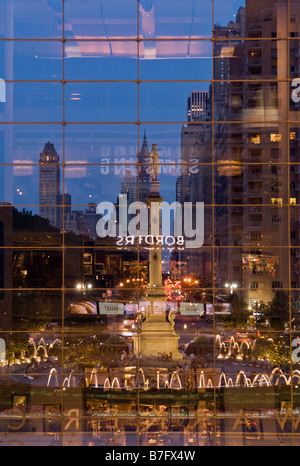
{"x": 252, "y": 432}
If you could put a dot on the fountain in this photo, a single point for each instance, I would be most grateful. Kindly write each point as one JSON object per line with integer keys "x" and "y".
{"x": 52, "y": 372}
{"x": 203, "y": 379}
{"x": 176, "y": 381}
{"x": 69, "y": 381}
{"x": 239, "y": 349}
{"x": 36, "y": 348}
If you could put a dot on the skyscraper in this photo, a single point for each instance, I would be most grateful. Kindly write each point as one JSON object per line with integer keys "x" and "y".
{"x": 143, "y": 175}
{"x": 49, "y": 185}
{"x": 228, "y": 150}
{"x": 194, "y": 184}
{"x": 197, "y": 105}
{"x": 255, "y": 188}
{"x": 6, "y": 234}
{"x": 129, "y": 186}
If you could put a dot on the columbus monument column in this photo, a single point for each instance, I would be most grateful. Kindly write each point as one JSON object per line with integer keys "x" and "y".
{"x": 157, "y": 333}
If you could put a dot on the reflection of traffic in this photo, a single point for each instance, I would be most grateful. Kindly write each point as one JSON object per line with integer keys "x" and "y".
{"x": 252, "y": 432}
{"x": 125, "y": 319}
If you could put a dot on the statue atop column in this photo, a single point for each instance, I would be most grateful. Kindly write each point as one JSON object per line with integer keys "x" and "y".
{"x": 154, "y": 167}
{"x": 157, "y": 334}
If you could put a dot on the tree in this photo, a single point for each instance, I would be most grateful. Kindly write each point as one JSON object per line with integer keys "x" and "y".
{"x": 26, "y": 221}
{"x": 278, "y": 310}
{"x": 202, "y": 345}
{"x": 34, "y": 310}
{"x": 16, "y": 344}
{"x": 273, "y": 349}
{"x": 239, "y": 313}
{"x": 80, "y": 353}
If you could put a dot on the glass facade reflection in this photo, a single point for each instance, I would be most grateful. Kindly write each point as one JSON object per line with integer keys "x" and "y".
{"x": 149, "y": 223}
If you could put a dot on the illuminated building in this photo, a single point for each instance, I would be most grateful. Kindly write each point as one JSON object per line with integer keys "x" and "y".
{"x": 143, "y": 176}
{"x": 197, "y": 105}
{"x": 6, "y": 228}
{"x": 95, "y": 78}
{"x": 49, "y": 184}
{"x": 250, "y": 196}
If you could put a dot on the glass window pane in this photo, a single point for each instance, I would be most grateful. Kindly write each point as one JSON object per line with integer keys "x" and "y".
{"x": 31, "y": 60}
{"x": 35, "y": 19}
{"x": 168, "y": 101}
{"x": 173, "y": 19}
{"x": 104, "y": 102}
{"x": 232, "y": 11}
{"x": 32, "y": 102}
{"x": 175, "y": 60}
{"x": 101, "y": 20}
{"x": 149, "y": 223}
{"x": 102, "y": 60}
{"x": 107, "y": 145}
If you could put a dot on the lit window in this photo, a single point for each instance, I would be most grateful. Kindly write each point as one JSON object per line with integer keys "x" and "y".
{"x": 293, "y": 201}
{"x": 293, "y": 135}
{"x": 255, "y": 236}
{"x": 276, "y": 201}
{"x": 255, "y": 138}
{"x": 275, "y": 137}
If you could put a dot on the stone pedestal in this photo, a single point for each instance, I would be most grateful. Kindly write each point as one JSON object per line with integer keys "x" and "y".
{"x": 157, "y": 335}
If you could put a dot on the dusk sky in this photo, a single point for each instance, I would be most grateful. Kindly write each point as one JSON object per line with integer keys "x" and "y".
{"x": 119, "y": 104}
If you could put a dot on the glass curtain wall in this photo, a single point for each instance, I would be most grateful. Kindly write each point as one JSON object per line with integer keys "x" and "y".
{"x": 149, "y": 223}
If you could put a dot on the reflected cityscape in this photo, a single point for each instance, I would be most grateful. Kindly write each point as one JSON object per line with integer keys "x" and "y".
{"x": 149, "y": 224}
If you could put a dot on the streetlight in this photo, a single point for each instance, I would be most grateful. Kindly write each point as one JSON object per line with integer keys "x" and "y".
{"x": 84, "y": 287}
{"x": 232, "y": 286}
